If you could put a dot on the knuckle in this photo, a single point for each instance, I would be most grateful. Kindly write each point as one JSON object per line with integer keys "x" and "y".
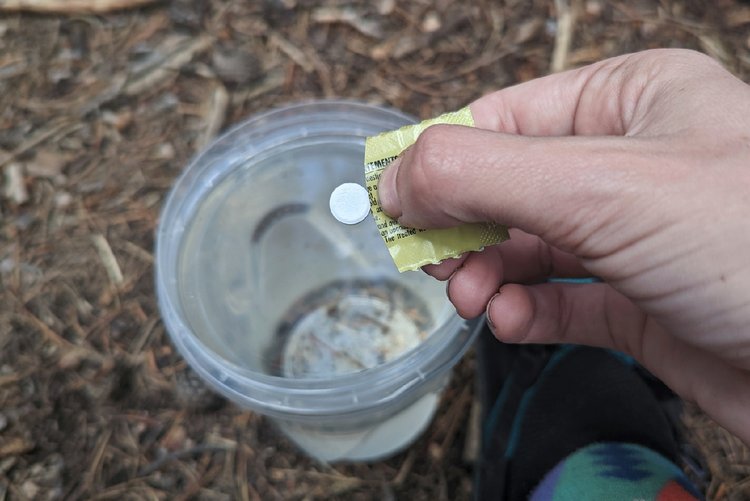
{"x": 431, "y": 159}
{"x": 683, "y": 61}
{"x": 693, "y": 56}
{"x": 430, "y": 145}
{"x": 443, "y": 145}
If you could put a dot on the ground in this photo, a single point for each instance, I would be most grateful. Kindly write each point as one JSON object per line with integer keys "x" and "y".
{"x": 99, "y": 112}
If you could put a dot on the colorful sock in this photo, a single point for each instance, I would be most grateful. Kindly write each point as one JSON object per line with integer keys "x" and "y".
{"x": 547, "y": 405}
{"x": 615, "y": 471}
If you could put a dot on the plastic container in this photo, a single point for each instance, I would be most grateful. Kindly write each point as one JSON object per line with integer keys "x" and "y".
{"x": 288, "y": 312}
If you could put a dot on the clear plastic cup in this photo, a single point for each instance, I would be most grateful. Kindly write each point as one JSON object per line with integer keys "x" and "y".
{"x": 288, "y": 312}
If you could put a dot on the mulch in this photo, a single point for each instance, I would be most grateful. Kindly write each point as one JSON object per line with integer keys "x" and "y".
{"x": 100, "y": 109}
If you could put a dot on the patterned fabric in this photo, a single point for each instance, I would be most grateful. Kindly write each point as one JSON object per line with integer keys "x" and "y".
{"x": 615, "y": 472}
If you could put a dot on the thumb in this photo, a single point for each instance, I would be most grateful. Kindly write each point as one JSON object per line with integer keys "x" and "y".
{"x": 554, "y": 187}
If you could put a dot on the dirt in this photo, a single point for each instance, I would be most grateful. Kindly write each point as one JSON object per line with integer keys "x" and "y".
{"x": 100, "y": 113}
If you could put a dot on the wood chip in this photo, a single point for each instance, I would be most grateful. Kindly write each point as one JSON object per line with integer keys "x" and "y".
{"x": 527, "y": 30}
{"x": 15, "y": 446}
{"x": 236, "y": 66}
{"x": 386, "y": 7}
{"x": 349, "y": 17}
{"x": 15, "y": 186}
{"x": 431, "y": 22}
{"x": 47, "y": 164}
{"x": 738, "y": 17}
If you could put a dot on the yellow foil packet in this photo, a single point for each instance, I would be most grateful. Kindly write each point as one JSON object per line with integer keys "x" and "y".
{"x": 413, "y": 248}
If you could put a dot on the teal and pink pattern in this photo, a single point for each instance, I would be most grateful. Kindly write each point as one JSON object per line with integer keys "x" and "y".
{"x": 615, "y": 472}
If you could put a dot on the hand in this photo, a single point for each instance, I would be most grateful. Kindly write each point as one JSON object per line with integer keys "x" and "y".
{"x": 635, "y": 170}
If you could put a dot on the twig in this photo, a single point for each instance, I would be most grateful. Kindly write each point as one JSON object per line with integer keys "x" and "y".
{"x": 240, "y": 474}
{"x": 349, "y": 16}
{"x": 108, "y": 259}
{"x": 174, "y": 456}
{"x": 71, "y": 6}
{"x": 473, "y": 66}
{"x": 50, "y": 335}
{"x": 292, "y": 51}
{"x": 90, "y": 476}
{"x": 454, "y": 415}
{"x": 564, "y": 35}
{"x": 308, "y": 60}
{"x": 215, "y": 111}
{"x": 405, "y": 469}
{"x": 472, "y": 444}
{"x": 205, "y": 476}
{"x": 713, "y": 47}
{"x": 166, "y": 67}
{"x": 62, "y": 127}
{"x": 138, "y": 252}
{"x": 137, "y": 345}
{"x": 83, "y": 103}
{"x": 273, "y": 80}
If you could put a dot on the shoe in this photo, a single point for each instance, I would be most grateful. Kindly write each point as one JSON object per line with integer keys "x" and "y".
{"x": 541, "y": 403}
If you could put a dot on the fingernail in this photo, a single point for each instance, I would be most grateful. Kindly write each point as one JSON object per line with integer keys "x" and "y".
{"x": 489, "y": 315}
{"x": 387, "y": 194}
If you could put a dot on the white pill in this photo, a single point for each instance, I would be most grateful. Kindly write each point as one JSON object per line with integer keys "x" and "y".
{"x": 349, "y": 203}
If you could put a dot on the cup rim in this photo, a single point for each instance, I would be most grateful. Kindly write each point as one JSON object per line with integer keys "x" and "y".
{"x": 276, "y": 395}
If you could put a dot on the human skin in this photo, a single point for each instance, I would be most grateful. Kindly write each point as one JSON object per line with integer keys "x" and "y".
{"x": 635, "y": 170}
